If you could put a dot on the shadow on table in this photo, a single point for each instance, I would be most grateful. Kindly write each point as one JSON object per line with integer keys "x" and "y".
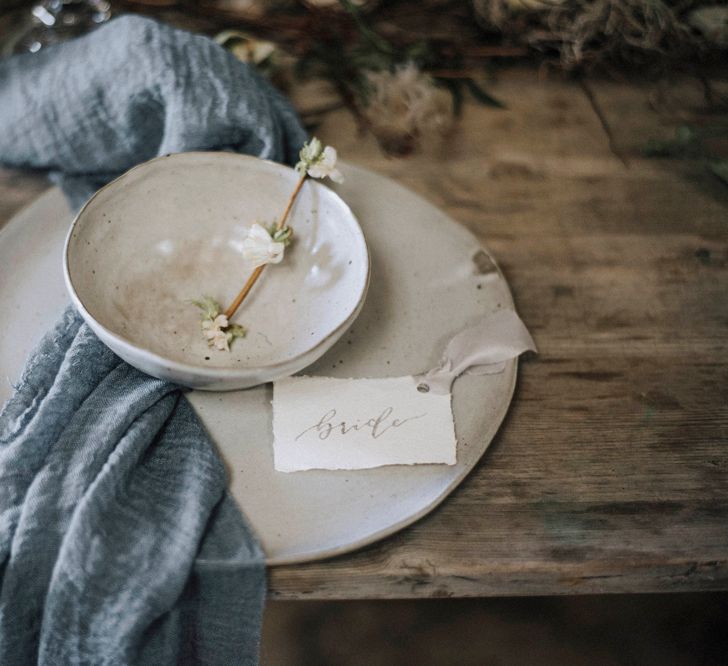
{"x": 621, "y": 629}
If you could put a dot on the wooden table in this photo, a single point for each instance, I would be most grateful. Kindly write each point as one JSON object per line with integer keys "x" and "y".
{"x": 610, "y": 473}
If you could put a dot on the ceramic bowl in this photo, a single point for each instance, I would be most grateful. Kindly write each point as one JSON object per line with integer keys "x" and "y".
{"x": 171, "y": 230}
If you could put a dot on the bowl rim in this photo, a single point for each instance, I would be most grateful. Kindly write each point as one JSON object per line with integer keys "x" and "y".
{"x": 214, "y": 373}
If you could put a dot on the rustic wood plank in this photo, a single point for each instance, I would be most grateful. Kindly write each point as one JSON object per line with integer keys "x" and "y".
{"x": 610, "y": 473}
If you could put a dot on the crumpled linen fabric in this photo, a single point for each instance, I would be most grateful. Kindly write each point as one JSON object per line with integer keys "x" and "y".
{"x": 92, "y": 108}
{"x": 119, "y": 543}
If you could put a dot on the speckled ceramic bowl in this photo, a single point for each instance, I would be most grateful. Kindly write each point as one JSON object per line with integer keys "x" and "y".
{"x": 171, "y": 230}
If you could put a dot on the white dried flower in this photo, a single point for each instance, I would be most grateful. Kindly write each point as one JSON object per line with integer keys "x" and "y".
{"x": 216, "y": 328}
{"x": 213, "y": 331}
{"x": 260, "y": 248}
{"x": 325, "y": 166}
{"x": 319, "y": 161}
{"x": 404, "y": 105}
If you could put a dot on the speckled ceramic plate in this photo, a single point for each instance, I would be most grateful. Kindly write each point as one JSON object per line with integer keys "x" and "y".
{"x": 429, "y": 279}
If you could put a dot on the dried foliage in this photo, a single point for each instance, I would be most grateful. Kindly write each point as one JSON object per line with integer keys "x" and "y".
{"x": 403, "y": 106}
{"x": 404, "y": 67}
{"x": 587, "y": 32}
{"x": 400, "y": 85}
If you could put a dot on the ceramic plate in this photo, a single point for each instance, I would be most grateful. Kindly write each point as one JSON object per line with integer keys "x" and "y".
{"x": 429, "y": 279}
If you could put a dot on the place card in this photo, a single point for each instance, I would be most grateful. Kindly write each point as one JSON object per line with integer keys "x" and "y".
{"x": 327, "y": 423}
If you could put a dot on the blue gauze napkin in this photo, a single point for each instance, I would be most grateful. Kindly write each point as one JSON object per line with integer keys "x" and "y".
{"x": 118, "y": 541}
{"x": 90, "y": 109}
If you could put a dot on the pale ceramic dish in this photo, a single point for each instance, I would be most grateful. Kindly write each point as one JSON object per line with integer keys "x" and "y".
{"x": 171, "y": 230}
{"x": 430, "y": 279}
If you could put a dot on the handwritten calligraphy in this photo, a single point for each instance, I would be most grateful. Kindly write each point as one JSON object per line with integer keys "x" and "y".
{"x": 376, "y": 426}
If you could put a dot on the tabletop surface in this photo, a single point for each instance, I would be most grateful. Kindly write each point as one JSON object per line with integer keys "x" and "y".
{"x": 610, "y": 473}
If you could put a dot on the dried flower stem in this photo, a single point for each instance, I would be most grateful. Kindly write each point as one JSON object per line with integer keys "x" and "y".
{"x": 232, "y": 309}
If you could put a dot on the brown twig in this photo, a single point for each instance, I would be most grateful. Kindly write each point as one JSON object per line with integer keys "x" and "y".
{"x": 613, "y": 147}
{"x": 496, "y": 51}
{"x": 320, "y": 110}
{"x": 232, "y": 309}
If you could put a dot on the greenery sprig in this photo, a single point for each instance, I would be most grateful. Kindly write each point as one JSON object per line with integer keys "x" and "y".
{"x": 265, "y": 245}
{"x": 216, "y": 329}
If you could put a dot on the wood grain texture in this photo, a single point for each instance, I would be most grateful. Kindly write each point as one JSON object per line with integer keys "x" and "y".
{"x": 610, "y": 473}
